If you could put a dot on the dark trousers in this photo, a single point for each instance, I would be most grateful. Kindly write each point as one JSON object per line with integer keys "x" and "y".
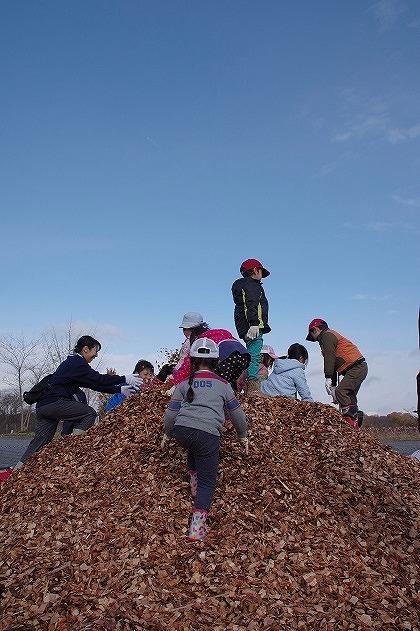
{"x": 80, "y": 415}
{"x": 346, "y": 391}
{"x": 68, "y": 427}
{"x": 202, "y": 457}
{"x": 233, "y": 366}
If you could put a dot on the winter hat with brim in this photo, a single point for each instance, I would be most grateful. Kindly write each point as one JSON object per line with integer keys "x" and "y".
{"x": 191, "y": 320}
{"x": 204, "y": 348}
{"x": 317, "y": 322}
{"x": 269, "y": 350}
{"x": 250, "y": 264}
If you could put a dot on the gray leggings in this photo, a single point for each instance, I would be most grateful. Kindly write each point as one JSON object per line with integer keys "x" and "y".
{"x": 48, "y": 417}
{"x": 202, "y": 457}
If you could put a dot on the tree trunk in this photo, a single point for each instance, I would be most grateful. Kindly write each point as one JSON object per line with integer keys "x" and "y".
{"x": 22, "y": 411}
{"x": 27, "y": 419}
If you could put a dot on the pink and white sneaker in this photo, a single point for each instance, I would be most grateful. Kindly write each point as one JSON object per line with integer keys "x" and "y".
{"x": 198, "y": 527}
{"x": 193, "y": 482}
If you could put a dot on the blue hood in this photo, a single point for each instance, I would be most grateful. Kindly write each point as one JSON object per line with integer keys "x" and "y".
{"x": 283, "y": 365}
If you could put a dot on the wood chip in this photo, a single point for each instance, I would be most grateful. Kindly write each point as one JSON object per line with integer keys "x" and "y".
{"x": 316, "y": 529}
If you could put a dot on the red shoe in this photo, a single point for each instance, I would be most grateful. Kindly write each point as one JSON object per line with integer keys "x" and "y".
{"x": 5, "y": 474}
{"x": 351, "y": 421}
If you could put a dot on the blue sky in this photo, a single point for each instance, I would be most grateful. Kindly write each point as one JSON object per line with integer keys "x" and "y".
{"x": 147, "y": 148}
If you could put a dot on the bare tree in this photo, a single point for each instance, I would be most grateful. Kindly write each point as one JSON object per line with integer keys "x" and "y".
{"x": 28, "y": 361}
{"x": 56, "y": 345}
{"x": 19, "y": 356}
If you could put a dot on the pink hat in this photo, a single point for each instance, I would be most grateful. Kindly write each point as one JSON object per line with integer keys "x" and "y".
{"x": 269, "y": 350}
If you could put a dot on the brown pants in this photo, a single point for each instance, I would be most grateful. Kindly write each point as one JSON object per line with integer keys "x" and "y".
{"x": 346, "y": 391}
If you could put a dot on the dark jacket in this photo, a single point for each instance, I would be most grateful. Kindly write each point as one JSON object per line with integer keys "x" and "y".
{"x": 74, "y": 373}
{"x": 251, "y": 305}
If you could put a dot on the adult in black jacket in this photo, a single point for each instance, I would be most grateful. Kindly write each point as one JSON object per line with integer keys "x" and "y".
{"x": 58, "y": 403}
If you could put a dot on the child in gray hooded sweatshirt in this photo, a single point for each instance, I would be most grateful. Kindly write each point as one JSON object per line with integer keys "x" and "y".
{"x": 194, "y": 417}
{"x": 288, "y": 376}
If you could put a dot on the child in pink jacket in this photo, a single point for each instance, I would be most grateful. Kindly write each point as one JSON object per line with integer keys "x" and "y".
{"x": 233, "y": 357}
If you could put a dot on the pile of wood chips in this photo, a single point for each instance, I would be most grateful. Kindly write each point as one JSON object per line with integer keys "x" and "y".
{"x": 317, "y": 529}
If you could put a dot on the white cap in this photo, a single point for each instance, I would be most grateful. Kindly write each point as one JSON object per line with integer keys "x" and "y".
{"x": 191, "y": 320}
{"x": 204, "y": 348}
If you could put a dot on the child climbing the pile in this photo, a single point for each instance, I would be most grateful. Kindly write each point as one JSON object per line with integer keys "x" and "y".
{"x": 192, "y": 326}
{"x": 194, "y": 417}
{"x": 145, "y": 371}
{"x": 233, "y": 356}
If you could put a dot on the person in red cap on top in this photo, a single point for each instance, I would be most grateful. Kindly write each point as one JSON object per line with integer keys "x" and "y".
{"x": 343, "y": 357}
{"x": 251, "y": 314}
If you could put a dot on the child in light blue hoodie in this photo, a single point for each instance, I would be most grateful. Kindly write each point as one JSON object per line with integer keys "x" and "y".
{"x": 288, "y": 376}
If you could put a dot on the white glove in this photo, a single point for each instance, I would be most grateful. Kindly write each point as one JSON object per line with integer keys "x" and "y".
{"x": 334, "y": 398}
{"x": 253, "y": 332}
{"x": 165, "y": 442}
{"x": 244, "y": 446}
{"x": 170, "y": 392}
{"x": 128, "y": 391}
{"x": 133, "y": 380}
{"x": 328, "y": 386}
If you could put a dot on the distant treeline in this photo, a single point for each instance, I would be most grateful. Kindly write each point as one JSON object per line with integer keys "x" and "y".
{"x": 393, "y": 419}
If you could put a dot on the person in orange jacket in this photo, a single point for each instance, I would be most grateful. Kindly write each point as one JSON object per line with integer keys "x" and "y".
{"x": 341, "y": 357}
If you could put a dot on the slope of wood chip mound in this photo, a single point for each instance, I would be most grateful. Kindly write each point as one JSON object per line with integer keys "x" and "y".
{"x": 317, "y": 529}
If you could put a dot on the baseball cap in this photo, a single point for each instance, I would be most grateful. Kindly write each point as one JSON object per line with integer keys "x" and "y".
{"x": 269, "y": 350}
{"x": 250, "y": 264}
{"x": 191, "y": 320}
{"x": 313, "y": 324}
{"x": 205, "y": 348}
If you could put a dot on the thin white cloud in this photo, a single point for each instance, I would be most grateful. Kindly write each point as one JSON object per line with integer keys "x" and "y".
{"x": 362, "y": 296}
{"x": 387, "y": 13}
{"x": 326, "y": 169}
{"x": 393, "y": 226}
{"x": 364, "y": 125}
{"x": 407, "y": 201}
{"x": 342, "y": 137}
{"x": 402, "y": 134}
{"x": 370, "y": 119}
{"x": 374, "y": 126}
{"x": 384, "y": 227}
{"x": 381, "y": 226}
